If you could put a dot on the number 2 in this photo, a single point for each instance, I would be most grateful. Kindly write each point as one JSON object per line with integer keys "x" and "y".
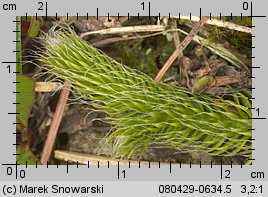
{"x": 41, "y": 5}
{"x": 227, "y": 176}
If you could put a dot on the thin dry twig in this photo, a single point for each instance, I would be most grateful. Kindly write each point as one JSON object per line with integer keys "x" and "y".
{"x": 47, "y": 86}
{"x": 177, "y": 44}
{"x": 182, "y": 46}
{"x": 132, "y": 29}
{"x": 176, "y": 37}
{"x": 218, "y": 23}
{"x": 116, "y": 39}
{"x": 51, "y": 137}
{"x": 221, "y": 51}
{"x": 83, "y": 158}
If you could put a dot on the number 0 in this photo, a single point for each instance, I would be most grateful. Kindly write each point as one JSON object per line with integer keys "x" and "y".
{"x": 245, "y": 5}
{"x": 9, "y": 171}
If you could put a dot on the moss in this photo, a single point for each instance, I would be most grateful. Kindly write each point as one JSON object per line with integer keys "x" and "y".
{"x": 145, "y": 112}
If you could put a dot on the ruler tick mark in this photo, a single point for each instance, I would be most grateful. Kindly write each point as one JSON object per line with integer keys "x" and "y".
{"x": 251, "y": 11}
{"x": 10, "y": 62}
{"x": 221, "y": 169}
{"x": 118, "y": 169}
{"x": 258, "y": 16}
{"x": 257, "y": 118}
{"x": 254, "y": 67}
{"x": 46, "y": 10}
{"x": 149, "y": 10}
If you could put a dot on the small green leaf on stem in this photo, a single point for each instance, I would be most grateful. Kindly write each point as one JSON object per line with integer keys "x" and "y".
{"x": 26, "y": 98}
{"x": 25, "y": 154}
{"x": 201, "y": 83}
{"x": 34, "y": 28}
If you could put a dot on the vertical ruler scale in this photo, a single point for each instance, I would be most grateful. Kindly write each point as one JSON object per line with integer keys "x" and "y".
{"x": 117, "y": 177}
